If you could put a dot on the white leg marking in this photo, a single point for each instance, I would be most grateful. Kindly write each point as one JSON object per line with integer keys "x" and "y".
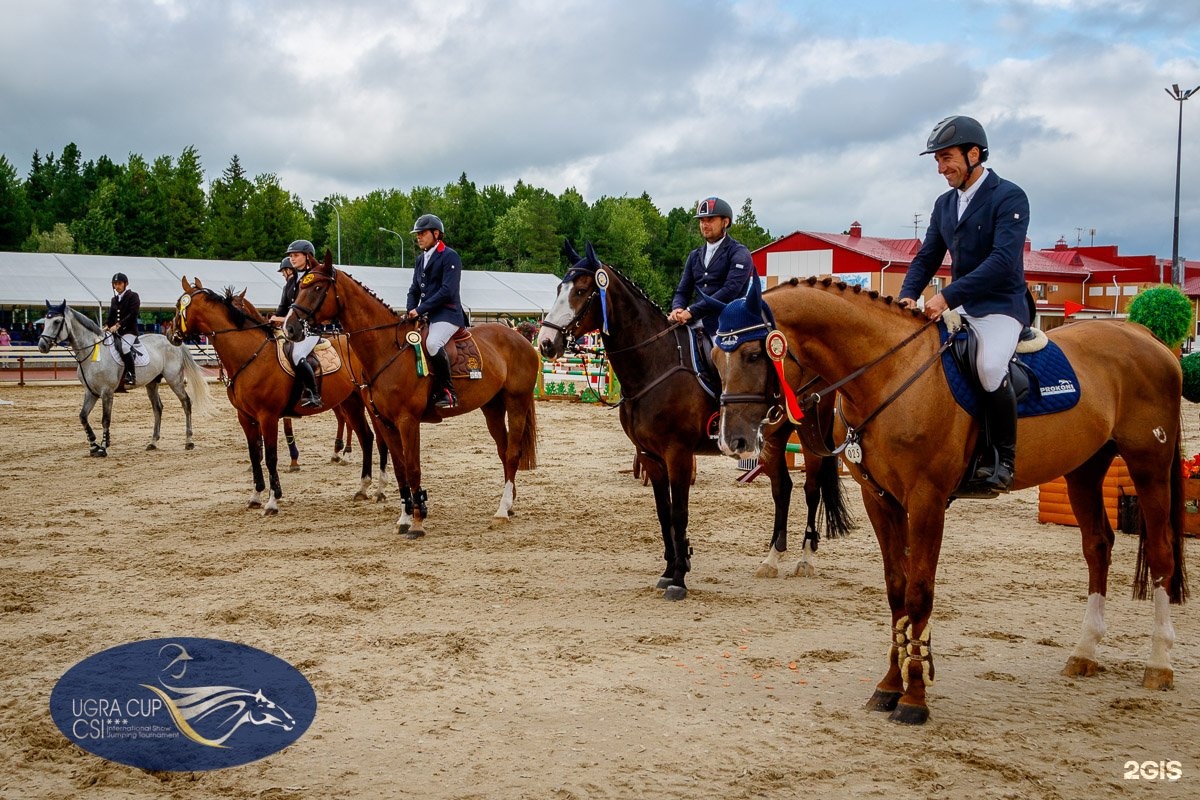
{"x": 769, "y": 568}
{"x": 1093, "y": 628}
{"x": 1163, "y": 638}
{"x": 806, "y": 567}
{"x": 506, "y": 502}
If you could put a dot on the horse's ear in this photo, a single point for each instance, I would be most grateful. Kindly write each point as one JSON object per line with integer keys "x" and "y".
{"x": 242, "y": 294}
{"x": 712, "y": 300}
{"x": 591, "y": 254}
{"x": 199, "y": 285}
{"x": 754, "y": 296}
{"x": 48, "y": 306}
{"x": 186, "y": 288}
{"x": 328, "y": 258}
{"x": 568, "y": 251}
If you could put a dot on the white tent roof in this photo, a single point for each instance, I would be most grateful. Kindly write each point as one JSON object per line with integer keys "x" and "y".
{"x": 30, "y": 279}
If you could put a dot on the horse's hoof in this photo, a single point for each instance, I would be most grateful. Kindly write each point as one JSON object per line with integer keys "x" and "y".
{"x": 414, "y": 534}
{"x": 293, "y": 468}
{"x": 1160, "y": 678}
{"x": 100, "y": 452}
{"x": 803, "y": 571}
{"x": 500, "y": 519}
{"x": 254, "y": 504}
{"x": 766, "y": 571}
{"x": 909, "y": 715}
{"x": 380, "y": 497}
{"x": 882, "y": 701}
{"x": 1080, "y": 668}
{"x": 663, "y": 583}
{"x": 360, "y": 495}
{"x": 152, "y": 446}
{"x": 190, "y": 446}
{"x": 270, "y": 511}
{"x": 335, "y": 460}
{"x": 675, "y": 593}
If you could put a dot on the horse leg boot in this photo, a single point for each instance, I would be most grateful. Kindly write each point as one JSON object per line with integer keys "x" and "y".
{"x": 310, "y": 397}
{"x": 1000, "y": 419}
{"x": 443, "y": 389}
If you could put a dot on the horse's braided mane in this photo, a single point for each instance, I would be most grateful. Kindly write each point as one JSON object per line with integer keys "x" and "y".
{"x": 244, "y": 309}
{"x": 371, "y": 292}
{"x": 828, "y": 283}
{"x": 637, "y": 289}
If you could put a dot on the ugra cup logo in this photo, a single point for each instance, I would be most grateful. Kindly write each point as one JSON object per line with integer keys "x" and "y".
{"x": 183, "y": 704}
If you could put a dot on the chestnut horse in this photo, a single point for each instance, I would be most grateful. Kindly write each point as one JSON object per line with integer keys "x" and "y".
{"x": 259, "y": 388}
{"x": 666, "y": 412}
{"x": 913, "y": 443}
{"x": 345, "y": 426}
{"x": 400, "y": 397}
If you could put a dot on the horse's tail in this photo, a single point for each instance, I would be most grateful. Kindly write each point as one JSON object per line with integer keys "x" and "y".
{"x": 528, "y": 458}
{"x": 838, "y": 521}
{"x": 197, "y": 383}
{"x": 1177, "y": 591}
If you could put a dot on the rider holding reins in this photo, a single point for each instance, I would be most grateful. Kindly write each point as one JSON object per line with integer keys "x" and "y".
{"x": 982, "y": 222}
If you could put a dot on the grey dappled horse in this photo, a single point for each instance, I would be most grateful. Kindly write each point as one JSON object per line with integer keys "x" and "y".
{"x": 100, "y": 373}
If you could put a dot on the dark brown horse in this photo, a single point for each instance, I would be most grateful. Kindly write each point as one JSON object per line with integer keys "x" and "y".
{"x": 667, "y": 412}
{"x": 913, "y": 445}
{"x": 259, "y": 388}
{"x": 399, "y": 396}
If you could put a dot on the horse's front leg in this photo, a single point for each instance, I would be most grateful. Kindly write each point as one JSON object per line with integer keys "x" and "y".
{"x": 89, "y": 402}
{"x": 271, "y": 448}
{"x": 405, "y": 447}
{"x": 654, "y": 471}
{"x": 254, "y": 447}
{"x": 106, "y": 405}
{"x": 774, "y": 464}
{"x": 157, "y": 406}
{"x": 679, "y": 476}
{"x": 912, "y": 632}
{"x": 888, "y": 520}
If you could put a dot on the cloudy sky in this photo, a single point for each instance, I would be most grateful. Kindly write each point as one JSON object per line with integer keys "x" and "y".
{"x": 816, "y": 110}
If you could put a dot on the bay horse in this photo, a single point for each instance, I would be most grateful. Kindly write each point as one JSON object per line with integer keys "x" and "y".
{"x": 666, "y": 412}
{"x": 100, "y": 373}
{"x": 345, "y": 426}
{"x": 261, "y": 391}
{"x": 913, "y": 443}
{"x": 400, "y": 397}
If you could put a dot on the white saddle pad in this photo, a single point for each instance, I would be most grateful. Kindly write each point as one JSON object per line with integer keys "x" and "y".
{"x": 141, "y": 356}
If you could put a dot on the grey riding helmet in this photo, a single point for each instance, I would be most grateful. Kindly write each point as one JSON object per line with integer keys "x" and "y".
{"x": 428, "y": 222}
{"x": 957, "y": 131}
{"x": 302, "y": 246}
{"x": 714, "y": 207}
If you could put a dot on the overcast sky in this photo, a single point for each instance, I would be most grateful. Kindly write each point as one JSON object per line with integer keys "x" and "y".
{"x": 816, "y": 110}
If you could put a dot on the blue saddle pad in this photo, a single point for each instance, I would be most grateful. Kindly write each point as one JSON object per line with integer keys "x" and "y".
{"x": 1054, "y": 387}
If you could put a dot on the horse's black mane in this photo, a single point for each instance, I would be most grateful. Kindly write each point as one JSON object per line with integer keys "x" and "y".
{"x": 830, "y": 283}
{"x": 629, "y": 281}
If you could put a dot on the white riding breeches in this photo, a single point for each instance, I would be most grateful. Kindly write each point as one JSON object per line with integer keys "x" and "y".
{"x": 440, "y": 333}
{"x": 997, "y": 336}
{"x": 300, "y": 350}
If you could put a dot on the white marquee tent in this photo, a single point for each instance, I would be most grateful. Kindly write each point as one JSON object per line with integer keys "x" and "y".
{"x": 28, "y": 280}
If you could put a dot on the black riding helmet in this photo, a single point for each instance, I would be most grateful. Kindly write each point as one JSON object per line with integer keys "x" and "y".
{"x": 428, "y": 222}
{"x": 120, "y": 277}
{"x": 286, "y": 263}
{"x": 963, "y": 133}
{"x": 302, "y": 246}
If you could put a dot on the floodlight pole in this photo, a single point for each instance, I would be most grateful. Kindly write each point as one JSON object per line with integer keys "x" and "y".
{"x": 1177, "y": 276}
{"x": 403, "y": 245}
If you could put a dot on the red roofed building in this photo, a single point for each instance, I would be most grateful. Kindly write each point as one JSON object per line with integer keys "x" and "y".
{"x": 1097, "y": 278}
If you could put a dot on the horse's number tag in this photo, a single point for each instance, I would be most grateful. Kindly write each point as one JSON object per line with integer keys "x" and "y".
{"x": 413, "y": 337}
{"x": 185, "y": 301}
{"x": 307, "y": 279}
{"x": 602, "y": 279}
{"x": 776, "y": 345}
{"x": 853, "y": 453}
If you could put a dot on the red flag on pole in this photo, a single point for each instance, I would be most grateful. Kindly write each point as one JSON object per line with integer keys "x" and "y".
{"x": 1070, "y": 307}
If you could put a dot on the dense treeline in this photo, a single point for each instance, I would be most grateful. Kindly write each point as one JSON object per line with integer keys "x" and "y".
{"x": 67, "y": 205}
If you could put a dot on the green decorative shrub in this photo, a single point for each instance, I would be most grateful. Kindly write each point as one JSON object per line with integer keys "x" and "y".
{"x": 1166, "y": 311}
{"x": 1191, "y": 377}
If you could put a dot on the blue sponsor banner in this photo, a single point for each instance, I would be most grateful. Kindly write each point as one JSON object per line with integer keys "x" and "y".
{"x": 183, "y": 704}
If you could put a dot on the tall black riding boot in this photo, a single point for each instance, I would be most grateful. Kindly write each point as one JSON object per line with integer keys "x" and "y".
{"x": 130, "y": 375}
{"x": 310, "y": 397}
{"x": 1000, "y": 423}
{"x": 443, "y": 388}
